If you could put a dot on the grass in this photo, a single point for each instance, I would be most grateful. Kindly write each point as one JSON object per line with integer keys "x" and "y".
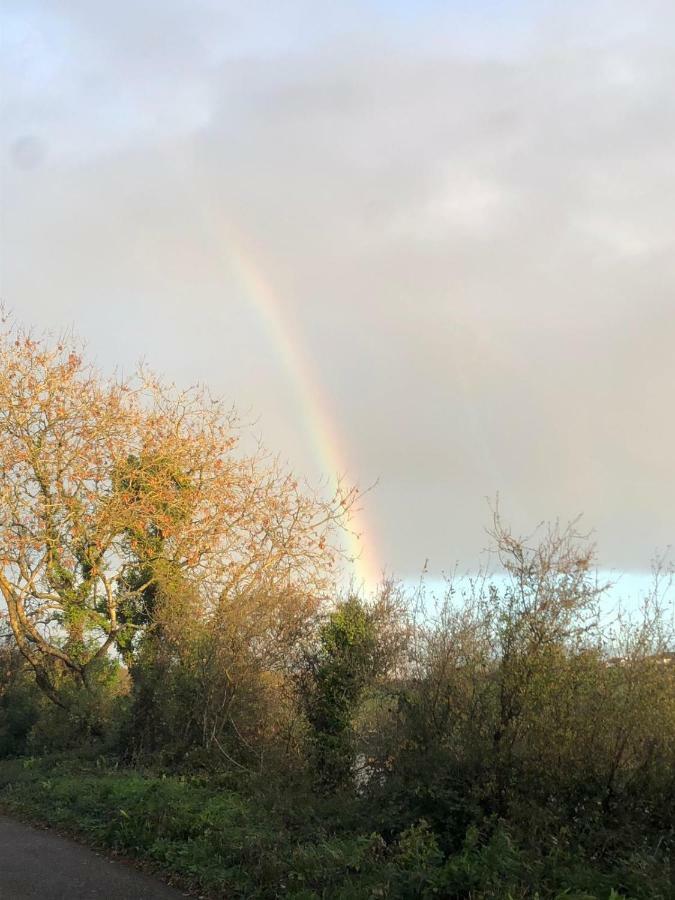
{"x": 234, "y": 844}
{"x": 198, "y": 831}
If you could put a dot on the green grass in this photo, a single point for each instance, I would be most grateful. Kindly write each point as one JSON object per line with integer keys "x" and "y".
{"x": 279, "y": 843}
{"x": 200, "y": 831}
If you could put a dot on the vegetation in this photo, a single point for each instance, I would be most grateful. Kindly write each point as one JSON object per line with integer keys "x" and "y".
{"x": 180, "y": 679}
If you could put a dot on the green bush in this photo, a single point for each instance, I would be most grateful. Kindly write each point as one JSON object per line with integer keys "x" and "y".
{"x": 510, "y": 747}
{"x": 20, "y": 706}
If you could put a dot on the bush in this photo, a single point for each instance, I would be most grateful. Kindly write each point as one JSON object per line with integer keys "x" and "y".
{"x": 510, "y": 746}
{"x": 21, "y": 703}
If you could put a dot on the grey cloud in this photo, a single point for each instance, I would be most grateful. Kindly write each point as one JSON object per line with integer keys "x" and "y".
{"x": 475, "y": 247}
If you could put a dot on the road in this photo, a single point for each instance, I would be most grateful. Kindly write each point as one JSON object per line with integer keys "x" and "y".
{"x": 40, "y": 865}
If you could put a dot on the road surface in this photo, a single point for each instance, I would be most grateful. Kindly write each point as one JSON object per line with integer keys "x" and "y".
{"x": 40, "y": 865}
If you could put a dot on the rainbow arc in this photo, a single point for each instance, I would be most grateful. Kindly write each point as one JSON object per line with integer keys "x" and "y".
{"x": 320, "y": 428}
{"x": 323, "y": 434}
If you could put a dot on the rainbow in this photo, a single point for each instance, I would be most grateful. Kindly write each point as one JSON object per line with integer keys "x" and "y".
{"x": 321, "y": 430}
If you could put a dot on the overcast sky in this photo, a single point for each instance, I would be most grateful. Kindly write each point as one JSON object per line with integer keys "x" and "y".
{"x": 466, "y": 212}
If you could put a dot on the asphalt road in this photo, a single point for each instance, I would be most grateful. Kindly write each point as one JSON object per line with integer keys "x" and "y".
{"x": 40, "y": 865}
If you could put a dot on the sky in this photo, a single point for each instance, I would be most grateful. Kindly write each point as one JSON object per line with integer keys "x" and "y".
{"x": 428, "y": 244}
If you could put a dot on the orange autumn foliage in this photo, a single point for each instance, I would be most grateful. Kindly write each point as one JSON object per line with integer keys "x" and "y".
{"x": 101, "y": 476}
